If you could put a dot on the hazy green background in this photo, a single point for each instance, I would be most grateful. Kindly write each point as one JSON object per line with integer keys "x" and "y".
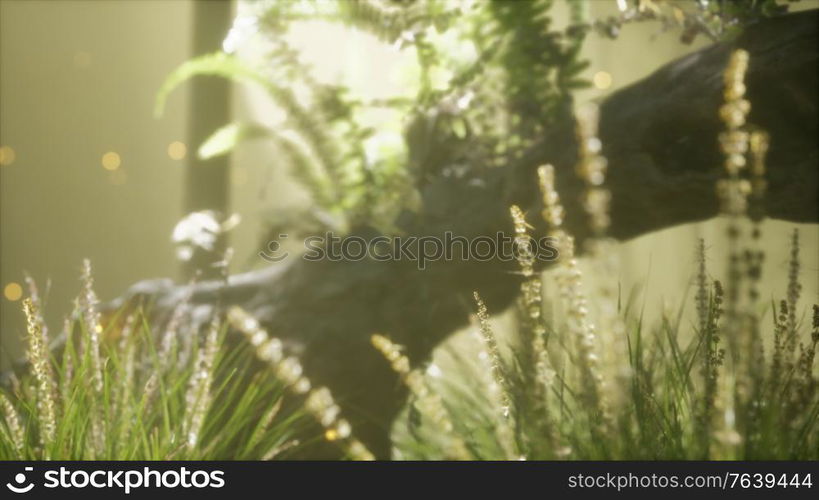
{"x": 78, "y": 79}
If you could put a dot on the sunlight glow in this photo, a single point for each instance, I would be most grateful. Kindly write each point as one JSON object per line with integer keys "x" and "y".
{"x": 111, "y": 161}
{"x": 177, "y": 150}
{"x": 602, "y": 80}
{"x": 7, "y": 155}
{"x": 13, "y": 291}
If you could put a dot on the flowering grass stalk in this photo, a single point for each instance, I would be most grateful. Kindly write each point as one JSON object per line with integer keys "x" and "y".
{"x": 118, "y": 399}
{"x": 317, "y": 401}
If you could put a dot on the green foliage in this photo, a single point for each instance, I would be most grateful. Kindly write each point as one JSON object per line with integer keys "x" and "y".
{"x": 541, "y": 63}
{"x": 218, "y": 64}
{"x": 674, "y": 396}
{"x": 175, "y": 399}
{"x": 368, "y": 176}
{"x": 491, "y": 78}
{"x": 225, "y": 139}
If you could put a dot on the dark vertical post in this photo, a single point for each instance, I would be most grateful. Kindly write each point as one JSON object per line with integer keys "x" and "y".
{"x": 207, "y": 181}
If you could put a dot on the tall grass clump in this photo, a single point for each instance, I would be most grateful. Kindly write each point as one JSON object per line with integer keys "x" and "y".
{"x": 114, "y": 388}
{"x": 738, "y": 382}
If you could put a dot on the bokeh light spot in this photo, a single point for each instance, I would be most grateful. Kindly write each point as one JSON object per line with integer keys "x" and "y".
{"x": 602, "y": 80}
{"x": 7, "y": 155}
{"x": 111, "y": 161}
{"x": 13, "y": 291}
{"x": 177, "y": 150}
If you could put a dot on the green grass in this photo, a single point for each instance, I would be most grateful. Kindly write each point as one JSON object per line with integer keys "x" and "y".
{"x": 737, "y": 384}
{"x": 592, "y": 381}
{"x": 136, "y": 398}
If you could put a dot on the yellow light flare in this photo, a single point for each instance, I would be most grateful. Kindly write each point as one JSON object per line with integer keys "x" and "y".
{"x": 111, "y": 161}
{"x": 7, "y": 155}
{"x": 602, "y": 80}
{"x": 331, "y": 435}
{"x": 177, "y": 150}
{"x": 13, "y": 291}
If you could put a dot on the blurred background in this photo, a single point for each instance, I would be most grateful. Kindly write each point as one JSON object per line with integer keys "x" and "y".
{"x": 88, "y": 171}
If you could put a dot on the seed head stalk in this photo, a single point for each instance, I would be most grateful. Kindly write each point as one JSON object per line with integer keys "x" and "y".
{"x": 429, "y": 403}
{"x": 38, "y": 357}
{"x": 499, "y": 383}
{"x": 532, "y": 328}
{"x": 570, "y": 285}
{"x": 91, "y": 316}
{"x": 318, "y": 402}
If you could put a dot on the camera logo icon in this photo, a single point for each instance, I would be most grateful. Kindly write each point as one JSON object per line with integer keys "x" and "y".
{"x": 20, "y": 479}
